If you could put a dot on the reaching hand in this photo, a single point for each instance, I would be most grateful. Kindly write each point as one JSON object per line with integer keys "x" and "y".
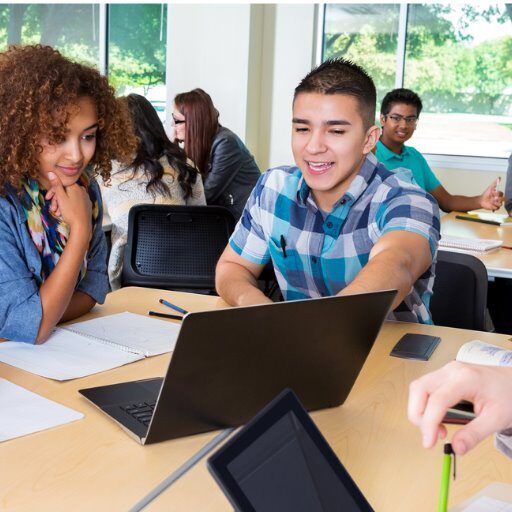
{"x": 492, "y": 198}
{"x": 71, "y": 203}
{"x": 489, "y": 388}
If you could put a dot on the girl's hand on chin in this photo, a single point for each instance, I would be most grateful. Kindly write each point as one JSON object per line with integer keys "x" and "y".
{"x": 72, "y": 204}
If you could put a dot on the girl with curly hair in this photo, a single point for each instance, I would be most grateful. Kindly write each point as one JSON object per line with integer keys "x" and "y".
{"x": 60, "y": 125}
{"x": 158, "y": 174}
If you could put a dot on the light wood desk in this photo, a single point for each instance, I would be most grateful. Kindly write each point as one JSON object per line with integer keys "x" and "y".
{"x": 93, "y": 465}
{"x": 499, "y": 261}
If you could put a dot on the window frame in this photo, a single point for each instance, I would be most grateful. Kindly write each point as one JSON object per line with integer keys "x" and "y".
{"x": 452, "y": 161}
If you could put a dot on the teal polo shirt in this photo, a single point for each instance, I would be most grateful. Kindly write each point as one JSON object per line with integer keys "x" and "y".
{"x": 411, "y": 159}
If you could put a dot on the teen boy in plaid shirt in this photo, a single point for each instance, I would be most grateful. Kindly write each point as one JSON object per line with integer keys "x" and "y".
{"x": 338, "y": 222}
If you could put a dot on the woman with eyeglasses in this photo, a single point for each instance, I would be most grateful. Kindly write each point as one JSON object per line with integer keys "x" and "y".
{"x": 158, "y": 174}
{"x": 399, "y": 114}
{"x": 228, "y": 169}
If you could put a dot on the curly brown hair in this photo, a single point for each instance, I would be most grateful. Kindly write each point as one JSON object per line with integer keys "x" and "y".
{"x": 39, "y": 91}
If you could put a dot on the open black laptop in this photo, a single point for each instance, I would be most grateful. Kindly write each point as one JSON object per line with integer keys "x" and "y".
{"x": 229, "y": 363}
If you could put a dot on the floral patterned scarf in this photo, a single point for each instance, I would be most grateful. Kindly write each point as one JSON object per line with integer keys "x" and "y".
{"x": 49, "y": 233}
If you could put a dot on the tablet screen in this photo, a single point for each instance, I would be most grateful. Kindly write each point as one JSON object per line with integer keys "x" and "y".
{"x": 281, "y": 461}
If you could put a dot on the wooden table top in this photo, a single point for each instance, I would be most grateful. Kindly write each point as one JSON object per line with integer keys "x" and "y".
{"x": 497, "y": 261}
{"x": 92, "y": 464}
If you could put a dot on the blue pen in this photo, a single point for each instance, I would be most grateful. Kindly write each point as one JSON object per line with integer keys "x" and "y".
{"x": 173, "y": 306}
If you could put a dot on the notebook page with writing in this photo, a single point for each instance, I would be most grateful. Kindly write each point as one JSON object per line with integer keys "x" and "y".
{"x": 25, "y": 412}
{"x": 138, "y": 333}
{"x": 65, "y": 355}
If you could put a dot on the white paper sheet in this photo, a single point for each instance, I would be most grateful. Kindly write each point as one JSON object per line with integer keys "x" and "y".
{"x": 146, "y": 335}
{"x": 486, "y": 504}
{"x": 24, "y": 412}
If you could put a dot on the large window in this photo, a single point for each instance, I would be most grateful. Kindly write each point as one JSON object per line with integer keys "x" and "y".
{"x": 457, "y": 57}
{"x": 136, "y": 51}
{"x": 366, "y": 34}
{"x": 72, "y": 29}
{"x": 133, "y": 41}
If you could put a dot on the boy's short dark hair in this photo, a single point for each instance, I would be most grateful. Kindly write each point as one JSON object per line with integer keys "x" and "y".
{"x": 401, "y": 96}
{"x": 341, "y": 76}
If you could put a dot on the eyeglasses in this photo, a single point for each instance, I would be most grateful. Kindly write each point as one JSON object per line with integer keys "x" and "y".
{"x": 397, "y": 118}
{"x": 177, "y": 121}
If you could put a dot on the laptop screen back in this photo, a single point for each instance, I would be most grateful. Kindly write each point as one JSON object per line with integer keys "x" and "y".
{"x": 229, "y": 363}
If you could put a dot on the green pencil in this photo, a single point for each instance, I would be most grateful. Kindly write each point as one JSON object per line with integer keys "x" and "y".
{"x": 445, "y": 477}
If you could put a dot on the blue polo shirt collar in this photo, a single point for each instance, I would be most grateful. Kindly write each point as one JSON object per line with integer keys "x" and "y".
{"x": 387, "y": 154}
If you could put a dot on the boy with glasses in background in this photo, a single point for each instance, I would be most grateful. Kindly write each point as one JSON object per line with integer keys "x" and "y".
{"x": 399, "y": 114}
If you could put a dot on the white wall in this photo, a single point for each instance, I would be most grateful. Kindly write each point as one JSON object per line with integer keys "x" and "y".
{"x": 250, "y": 58}
{"x": 209, "y": 48}
{"x": 288, "y": 60}
{"x": 470, "y": 183}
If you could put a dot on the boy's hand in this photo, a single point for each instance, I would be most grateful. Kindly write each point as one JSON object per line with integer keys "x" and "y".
{"x": 489, "y": 389}
{"x": 72, "y": 204}
{"x": 492, "y": 198}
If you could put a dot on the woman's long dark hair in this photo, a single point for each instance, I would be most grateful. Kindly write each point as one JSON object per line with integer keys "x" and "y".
{"x": 154, "y": 144}
{"x": 202, "y": 123}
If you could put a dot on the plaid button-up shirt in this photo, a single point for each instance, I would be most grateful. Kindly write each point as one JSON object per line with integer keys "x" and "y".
{"x": 316, "y": 254}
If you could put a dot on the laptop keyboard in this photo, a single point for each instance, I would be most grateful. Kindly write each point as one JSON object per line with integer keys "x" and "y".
{"x": 141, "y": 411}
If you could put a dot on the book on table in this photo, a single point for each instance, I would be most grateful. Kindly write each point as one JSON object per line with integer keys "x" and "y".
{"x": 479, "y": 352}
{"x": 93, "y": 346}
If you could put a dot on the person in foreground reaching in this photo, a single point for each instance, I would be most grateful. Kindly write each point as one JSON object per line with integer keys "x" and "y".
{"x": 488, "y": 388}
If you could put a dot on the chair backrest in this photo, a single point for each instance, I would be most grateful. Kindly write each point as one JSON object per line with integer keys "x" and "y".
{"x": 175, "y": 247}
{"x": 460, "y": 291}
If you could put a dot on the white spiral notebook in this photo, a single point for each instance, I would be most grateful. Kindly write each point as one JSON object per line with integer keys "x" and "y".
{"x": 93, "y": 346}
{"x": 468, "y": 244}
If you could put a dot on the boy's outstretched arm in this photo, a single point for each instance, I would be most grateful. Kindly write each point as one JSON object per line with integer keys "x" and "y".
{"x": 396, "y": 261}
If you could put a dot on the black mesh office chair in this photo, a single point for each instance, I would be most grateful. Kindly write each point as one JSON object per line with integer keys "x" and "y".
{"x": 460, "y": 291}
{"x": 175, "y": 247}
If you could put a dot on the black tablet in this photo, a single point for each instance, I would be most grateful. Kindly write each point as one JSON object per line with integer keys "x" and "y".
{"x": 281, "y": 462}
